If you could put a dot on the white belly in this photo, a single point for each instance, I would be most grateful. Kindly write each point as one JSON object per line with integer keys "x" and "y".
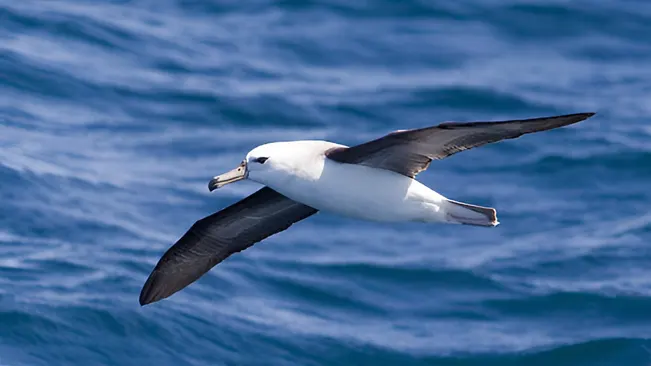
{"x": 366, "y": 193}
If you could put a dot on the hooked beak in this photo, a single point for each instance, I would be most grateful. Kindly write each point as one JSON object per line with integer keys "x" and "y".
{"x": 239, "y": 173}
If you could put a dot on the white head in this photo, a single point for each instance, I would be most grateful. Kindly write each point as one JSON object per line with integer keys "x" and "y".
{"x": 273, "y": 162}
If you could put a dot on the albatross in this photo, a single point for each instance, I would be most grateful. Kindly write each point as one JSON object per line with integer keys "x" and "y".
{"x": 375, "y": 181}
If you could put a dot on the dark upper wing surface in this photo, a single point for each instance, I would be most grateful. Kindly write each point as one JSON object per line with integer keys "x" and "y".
{"x": 409, "y": 152}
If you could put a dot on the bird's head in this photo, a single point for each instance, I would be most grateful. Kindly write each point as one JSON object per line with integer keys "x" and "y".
{"x": 261, "y": 164}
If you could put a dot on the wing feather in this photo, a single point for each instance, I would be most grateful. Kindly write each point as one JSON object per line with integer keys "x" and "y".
{"x": 214, "y": 238}
{"x": 408, "y": 152}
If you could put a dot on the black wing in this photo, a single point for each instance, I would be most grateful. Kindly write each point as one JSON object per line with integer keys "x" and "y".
{"x": 409, "y": 152}
{"x": 213, "y": 238}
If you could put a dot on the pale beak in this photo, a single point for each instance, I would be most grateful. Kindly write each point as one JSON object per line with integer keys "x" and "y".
{"x": 234, "y": 175}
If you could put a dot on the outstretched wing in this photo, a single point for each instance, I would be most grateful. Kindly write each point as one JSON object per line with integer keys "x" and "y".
{"x": 213, "y": 238}
{"x": 410, "y": 152}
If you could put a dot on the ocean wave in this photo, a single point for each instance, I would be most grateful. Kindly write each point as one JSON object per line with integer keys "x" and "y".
{"x": 114, "y": 116}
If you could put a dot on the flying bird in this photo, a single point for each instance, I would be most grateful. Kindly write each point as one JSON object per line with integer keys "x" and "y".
{"x": 372, "y": 181}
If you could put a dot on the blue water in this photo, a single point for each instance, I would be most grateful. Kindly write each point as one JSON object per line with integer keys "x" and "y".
{"x": 115, "y": 114}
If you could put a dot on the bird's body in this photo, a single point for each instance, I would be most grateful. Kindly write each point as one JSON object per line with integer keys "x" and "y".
{"x": 373, "y": 181}
{"x": 353, "y": 190}
{"x": 306, "y": 175}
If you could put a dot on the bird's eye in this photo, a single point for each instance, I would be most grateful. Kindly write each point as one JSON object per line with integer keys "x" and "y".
{"x": 261, "y": 160}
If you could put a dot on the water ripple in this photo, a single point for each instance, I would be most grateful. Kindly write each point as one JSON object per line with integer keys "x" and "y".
{"x": 114, "y": 115}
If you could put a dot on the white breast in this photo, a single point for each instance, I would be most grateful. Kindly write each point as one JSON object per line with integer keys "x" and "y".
{"x": 358, "y": 191}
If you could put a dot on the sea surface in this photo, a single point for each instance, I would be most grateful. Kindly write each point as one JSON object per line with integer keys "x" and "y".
{"x": 114, "y": 115}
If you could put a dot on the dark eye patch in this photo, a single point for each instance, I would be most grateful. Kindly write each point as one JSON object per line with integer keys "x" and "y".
{"x": 261, "y": 160}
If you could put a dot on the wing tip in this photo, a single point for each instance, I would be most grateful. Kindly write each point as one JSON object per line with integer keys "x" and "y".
{"x": 582, "y": 116}
{"x": 570, "y": 119}
{"x": 145, "y": 301}
{"x": 151, "y": 291}
{"x": 146, "y": 297}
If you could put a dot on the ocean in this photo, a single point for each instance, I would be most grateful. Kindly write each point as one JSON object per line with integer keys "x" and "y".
{"x": 114, "y": 115}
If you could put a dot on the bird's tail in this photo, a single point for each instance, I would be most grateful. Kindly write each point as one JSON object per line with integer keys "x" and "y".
{"x": 467, "y": 214}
